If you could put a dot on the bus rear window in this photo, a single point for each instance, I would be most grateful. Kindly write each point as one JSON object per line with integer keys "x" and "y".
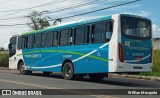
{"x": 136, "y": 27}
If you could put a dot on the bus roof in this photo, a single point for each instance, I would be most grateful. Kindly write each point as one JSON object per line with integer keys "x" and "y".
{"x": 67, "y": 25}
{"x": 76, "y": 23}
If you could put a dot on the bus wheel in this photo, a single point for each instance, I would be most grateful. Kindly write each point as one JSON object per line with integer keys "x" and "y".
{"x": 46, "y": 73}
{"x": 68, "y": 72}
{"x": 22, "y": 69}
{"x": 96, "y": 77}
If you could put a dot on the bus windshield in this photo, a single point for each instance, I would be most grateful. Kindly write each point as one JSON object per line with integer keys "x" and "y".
{"x": 136, "y": 28}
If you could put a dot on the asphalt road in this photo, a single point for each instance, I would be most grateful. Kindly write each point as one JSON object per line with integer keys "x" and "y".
{"x": 13, "y": 80}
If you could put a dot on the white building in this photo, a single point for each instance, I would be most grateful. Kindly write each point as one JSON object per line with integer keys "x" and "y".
{"x": 156, "y": 43}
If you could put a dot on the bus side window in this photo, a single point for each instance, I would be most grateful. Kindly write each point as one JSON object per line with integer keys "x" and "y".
{"x": 70, "y": 36}
{"x": 33, "y": 41}
{"x": 49, "y": 39}
{"x": 29, "y": 41}
{"x": 43, "y": 42}
{"x": 55, "y": 38}
{"x": 64, "y": 38}
{"x": 101, "y": 32}
{"x": 23, "y": 42}
{"x": 38, "y": 40}
{"x": 12, "y": 46}
{"x": 109, "y": 30}
{"x": 19, "y": 42}
{"x": 81, "y": 35}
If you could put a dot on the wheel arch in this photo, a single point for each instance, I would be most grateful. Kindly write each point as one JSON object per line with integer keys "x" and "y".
{"x": 18, "y": 65}
{"x": 66, "y": 60}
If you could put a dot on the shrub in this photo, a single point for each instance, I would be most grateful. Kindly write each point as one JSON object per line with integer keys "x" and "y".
{"x": 4, "y": 60}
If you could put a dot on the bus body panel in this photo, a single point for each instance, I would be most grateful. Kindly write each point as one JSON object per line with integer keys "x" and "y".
{"x": 137, "y": 53}
{"x": 12, "y": 63}
{"x": 51, "y": 59}
{"x": 132, "y": 62}
{"x": 113, "y": 45}
{"x": 14, "y": 60}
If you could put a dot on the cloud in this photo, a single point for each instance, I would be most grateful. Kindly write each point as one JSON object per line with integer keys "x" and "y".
{"x": 155, "y": 30}
{"x": 6, "y": 33}
{"x": 141, "y": 13}
{"x": 128, "y": 7}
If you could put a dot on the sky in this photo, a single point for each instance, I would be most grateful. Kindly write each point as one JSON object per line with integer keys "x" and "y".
{"x": 145, "y": 8}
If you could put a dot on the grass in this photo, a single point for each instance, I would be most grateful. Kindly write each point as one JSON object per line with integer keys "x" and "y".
{"x": 150, "y": 74}
{"x": 3, "y": 52}
{"x": 4, "y": 59}
{"x": 156, "y": 65}
{"x": 156, "y": 61}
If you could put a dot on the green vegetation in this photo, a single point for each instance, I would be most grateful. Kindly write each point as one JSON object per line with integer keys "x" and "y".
{"x": 156, "y": 65}
{"x": 150, "y": 74}
{"x": 156, "y": 61}
{"x": 4, "y": 59}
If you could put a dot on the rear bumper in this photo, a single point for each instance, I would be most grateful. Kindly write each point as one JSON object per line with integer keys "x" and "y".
{"x": 134, "y": 68}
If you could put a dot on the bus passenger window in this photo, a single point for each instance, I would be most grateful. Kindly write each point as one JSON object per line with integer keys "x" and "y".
{"x": 33, "y": 41}
{"x": 43, "y": 42}
{"x": 101, "y": 32}
{"x": 19, "y": 42}
{"x": 29, "y": 41}
{"x": 108, "y": 36}
{"x": 64, "y": 37}
{"x": 81, "y": 35}
{"x": 55, "y": 38}
{"x": 49, "y": 39}
{"x": 23, "y": 42}
{"x": 109, "y": 30}
{"x": 38, "y": 40}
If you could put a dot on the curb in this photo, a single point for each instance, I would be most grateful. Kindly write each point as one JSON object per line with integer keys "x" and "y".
{"x": 4, "y": 68}
{"x": 151, "y": 78}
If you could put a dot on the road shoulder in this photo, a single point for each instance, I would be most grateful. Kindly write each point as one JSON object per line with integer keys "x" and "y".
{"x": 150, "y": 78}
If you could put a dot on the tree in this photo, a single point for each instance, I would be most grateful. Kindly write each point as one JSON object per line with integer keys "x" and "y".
{"x": 38, "y": 22}
{"x": 55, "y": 20}
{"x": 2, "y": 49}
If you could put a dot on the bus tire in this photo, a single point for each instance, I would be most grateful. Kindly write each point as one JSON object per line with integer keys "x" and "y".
{"x": 22, "y": 69}
{"x": 68, "y": 71}
{"x": 96, "y": 76}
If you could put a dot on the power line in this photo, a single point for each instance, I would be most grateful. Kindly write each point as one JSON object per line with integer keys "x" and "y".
{"x": 79, "y": 4}
{"x": 13, "y": 18}
{"x": 16, "y": 24}
{"x": 71, "y": 16}
{"x": 63, "y": 8}
{"x": 111, "y": 3}
{"x": 46, "y": 4}
{"x": 22, "y": 26}
{"x": 99, "y": 9}
{"x": 66, "y": 8}
{"x": 76, "y": 6}
{"x": 6, "y": 1}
